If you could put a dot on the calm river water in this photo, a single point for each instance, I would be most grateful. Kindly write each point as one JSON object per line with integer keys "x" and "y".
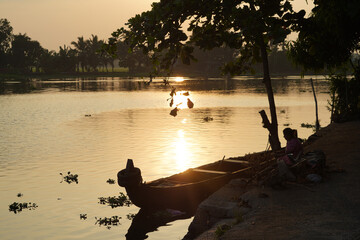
{"x": 91, "y": 127}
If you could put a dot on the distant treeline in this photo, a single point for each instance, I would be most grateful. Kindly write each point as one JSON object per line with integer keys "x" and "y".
{"x": 209, "y": 63}
{"x": 20, "y": 54}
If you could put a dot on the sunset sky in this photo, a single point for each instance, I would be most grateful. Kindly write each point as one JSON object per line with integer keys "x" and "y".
{"x": 54, "y": 23}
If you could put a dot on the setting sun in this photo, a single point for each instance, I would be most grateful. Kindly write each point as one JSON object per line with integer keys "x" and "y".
{"x": 181, "y": 99}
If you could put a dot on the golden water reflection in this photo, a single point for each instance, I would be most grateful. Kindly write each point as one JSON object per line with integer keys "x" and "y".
{"x": 45, "y": 133}
{"x": 183, "y": 153}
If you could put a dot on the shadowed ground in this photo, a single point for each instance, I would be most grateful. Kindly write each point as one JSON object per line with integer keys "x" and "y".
{"x": 329, "y": 210}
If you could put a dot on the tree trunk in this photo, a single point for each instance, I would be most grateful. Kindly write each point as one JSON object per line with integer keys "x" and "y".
{"x": 332, "y": 108}
{"x": 273, "y": 126}
{"x": 317, "y": 124}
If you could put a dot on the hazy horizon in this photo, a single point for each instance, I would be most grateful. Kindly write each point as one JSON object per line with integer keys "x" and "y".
{"x": 57, "y": 23}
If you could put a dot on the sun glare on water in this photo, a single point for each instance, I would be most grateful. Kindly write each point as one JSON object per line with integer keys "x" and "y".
{"x": 179, "y": 79}
{"x": 183, "y": 155}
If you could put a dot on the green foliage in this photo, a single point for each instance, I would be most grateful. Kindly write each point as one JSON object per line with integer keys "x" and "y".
{"x": 327, "y": 39}
{"x": 345, "y": 94}
{"x": 5, "y": 34}
{"x": 248, "y": 26}
{"x": 5, "y": 40}
{"x": 20, "y": 54}
{"x": 65, "y": 59}
{"x": 134, "y": 60}
{"x": 25, "y": 53}
{"x": 241, "y": 25}
{"x": 329, "y": 36}
{"x": 221, "y": 230}
{"x": 89, "y": 55}
{"x": 238, "y": 218}
{"x": 206, "y": 63}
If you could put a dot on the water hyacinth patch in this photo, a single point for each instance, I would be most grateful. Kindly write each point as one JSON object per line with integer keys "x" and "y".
{"x": 18, "y": 207}
{"x": 110, "y": 181}
{"x": 108, "y": 222}
{"x": 130, "y": 216}
{"x": 70, "y": 178}
{"x": 116, "y": 201}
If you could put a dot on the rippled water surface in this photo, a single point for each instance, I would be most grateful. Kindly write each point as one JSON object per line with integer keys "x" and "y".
{"x": 91, "y": 127}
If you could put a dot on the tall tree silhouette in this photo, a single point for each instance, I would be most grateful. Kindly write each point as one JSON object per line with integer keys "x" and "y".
{"x": 329, "y": 36}
{"x": 93, "y": 51}
{"x": 66, "y": 59}
{"x": 328, "y": 39}
{"x": 5, "y": 41}
{"x": 25, "y": 53}
{"x": 248, "y": 26}
{"x": 134, "y": 60}
{"x": 80, "y": 47}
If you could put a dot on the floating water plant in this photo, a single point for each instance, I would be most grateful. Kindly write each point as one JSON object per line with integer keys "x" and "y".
{"x": 116, "y": 201}
{"x": 110, "y": 181}
{"x": 108, "y": 222}
{"x": 307, "y": 125}
{"x": 70, "y": 178}
{"x": 130, "y": 216}
{"x": 208, "y": 119}
{"x": 18, "y": 207}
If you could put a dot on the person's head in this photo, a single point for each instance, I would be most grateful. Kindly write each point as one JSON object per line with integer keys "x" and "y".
{"x": 288, "y": 133}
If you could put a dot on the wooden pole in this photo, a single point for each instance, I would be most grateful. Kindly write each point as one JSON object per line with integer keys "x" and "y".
{"x": 317, "y": 124}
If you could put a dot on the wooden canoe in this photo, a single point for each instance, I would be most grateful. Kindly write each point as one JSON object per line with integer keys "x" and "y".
{"x": 186, "y": 190}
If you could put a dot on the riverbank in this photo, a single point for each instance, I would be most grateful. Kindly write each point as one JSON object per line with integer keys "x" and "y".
{"x": 328, "y": 210}
{"x": 81, "y": 75}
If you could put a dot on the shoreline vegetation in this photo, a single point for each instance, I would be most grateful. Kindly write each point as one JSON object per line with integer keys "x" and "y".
{"x": 48, "y": 76}
{"x": 101, "y": 74}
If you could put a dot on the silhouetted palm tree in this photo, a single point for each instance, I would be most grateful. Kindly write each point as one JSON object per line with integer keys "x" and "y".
{"x": 66, "y": 59}
{"x": 80, "y": 47}
{"x": 94, "y": 46}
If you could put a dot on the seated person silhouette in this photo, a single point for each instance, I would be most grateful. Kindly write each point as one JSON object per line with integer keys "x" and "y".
{"x": 293, "y": 151}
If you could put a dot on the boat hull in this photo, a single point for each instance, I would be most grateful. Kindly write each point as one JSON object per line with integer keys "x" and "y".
{"x": 184, "y": 197}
